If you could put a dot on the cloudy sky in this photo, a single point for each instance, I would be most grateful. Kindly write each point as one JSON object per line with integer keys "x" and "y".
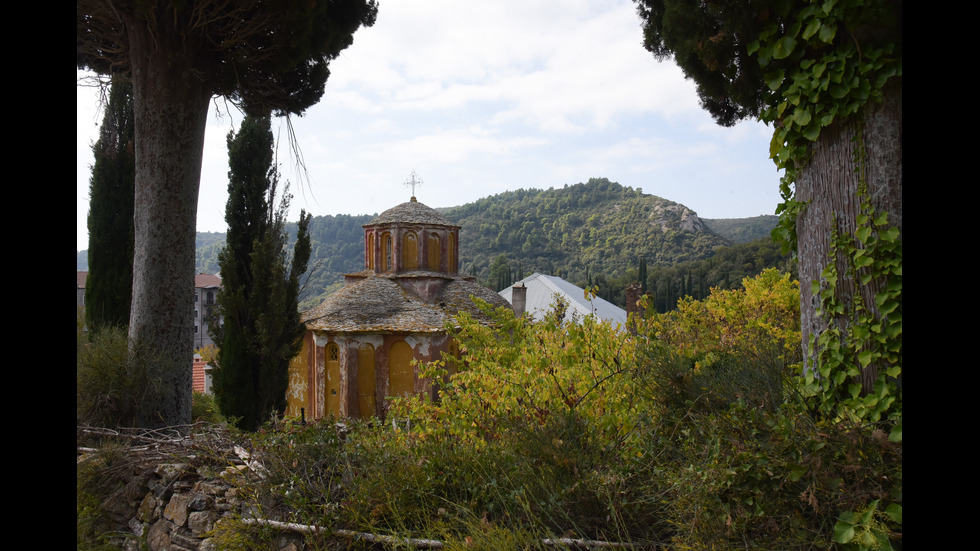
{"x": 483, "y": 97}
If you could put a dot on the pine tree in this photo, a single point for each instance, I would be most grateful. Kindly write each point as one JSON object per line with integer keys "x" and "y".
{"x": 261, "y": 329}
{"x": 108, "y": 290}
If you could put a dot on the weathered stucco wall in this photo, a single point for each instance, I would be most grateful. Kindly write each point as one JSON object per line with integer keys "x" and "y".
{"x": 309, "y": 384}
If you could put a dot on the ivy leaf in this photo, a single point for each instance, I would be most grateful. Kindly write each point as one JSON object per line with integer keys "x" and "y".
{"x": 827, "y": 33}
{"x": 774, "y": 79}
{"x": 896, "y": 434}
{"x": 784, "y": 47}
{"x": 818, "y": 69}
{"x": 811, "y": 132}
{"x": 863, "y": 233}
{"x": 811, "y": 29}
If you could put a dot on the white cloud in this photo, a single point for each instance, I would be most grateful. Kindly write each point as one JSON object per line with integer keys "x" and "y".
{"x": 480, "y": 97}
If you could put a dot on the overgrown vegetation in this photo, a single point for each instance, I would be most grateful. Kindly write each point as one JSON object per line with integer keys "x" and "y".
{"x": 695, "y": 429}
{"x": 581, "y": 431}
{"x": 111, "y": 384}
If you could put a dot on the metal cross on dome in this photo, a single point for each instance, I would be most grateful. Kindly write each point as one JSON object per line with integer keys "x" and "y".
{"x": 413, "y": 181}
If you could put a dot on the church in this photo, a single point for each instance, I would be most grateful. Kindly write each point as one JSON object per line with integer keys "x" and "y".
{"x": 363, "y": 342}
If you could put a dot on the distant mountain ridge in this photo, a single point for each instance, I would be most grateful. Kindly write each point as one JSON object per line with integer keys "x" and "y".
{"x": 743, "y": 230}
{"x": 581, "y": 232}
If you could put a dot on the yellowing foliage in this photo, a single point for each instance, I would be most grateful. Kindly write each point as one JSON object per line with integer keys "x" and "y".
{"x": 517, "y": 373}
{"x": 760, "y": 321}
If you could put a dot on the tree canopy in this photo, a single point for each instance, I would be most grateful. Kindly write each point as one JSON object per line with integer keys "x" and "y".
{"x": 263, "y": 55}
{"x": 827, "y": 76}
{"x": 738, "y": 53}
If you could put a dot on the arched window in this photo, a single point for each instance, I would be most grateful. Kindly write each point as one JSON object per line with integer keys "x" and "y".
{"x": 410, "y": 251}
{"x": 434, "y": 258}
{"x": 370, "y": 252}
{"x": 365, "y": 381}
{"x": 387, "y": 253}
{"x": 451, "y": 254}
{"x": 401, "y": 377}
{"x": 333, "y": 379}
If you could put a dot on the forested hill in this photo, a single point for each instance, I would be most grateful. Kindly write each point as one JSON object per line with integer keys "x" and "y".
{"x": 743, "y": 230}
{"x": 588, "y": 233}
{"x": 578, "y": 231}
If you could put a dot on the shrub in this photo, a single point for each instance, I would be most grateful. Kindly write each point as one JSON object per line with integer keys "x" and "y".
{"x": 204, "y": 408}
{"x": 305, "y": 466}
{"x": 112, "y": 384}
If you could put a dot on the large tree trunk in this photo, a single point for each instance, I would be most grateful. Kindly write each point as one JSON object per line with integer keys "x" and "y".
{"x": 170, "y": 108}
{"x": 829, "y": 184}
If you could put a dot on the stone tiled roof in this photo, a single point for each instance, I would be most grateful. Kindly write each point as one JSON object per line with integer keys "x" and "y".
{"x": 375, "y": 304}
{"x": 411, "y": 212}
{"x": 379, "y": 304}
{"x": 458, "y": 296}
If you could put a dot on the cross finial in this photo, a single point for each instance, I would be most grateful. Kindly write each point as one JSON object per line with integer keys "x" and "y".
{"x": 413, "y": 181}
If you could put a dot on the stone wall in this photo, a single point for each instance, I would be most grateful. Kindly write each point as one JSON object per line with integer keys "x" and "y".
{"x": 174, "y": 506}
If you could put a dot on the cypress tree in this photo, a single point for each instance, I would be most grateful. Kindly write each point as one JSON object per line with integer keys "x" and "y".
{"x": 261, "y": 330}
{"x": 643, "y": 275}
{"x": 108, "y": 291}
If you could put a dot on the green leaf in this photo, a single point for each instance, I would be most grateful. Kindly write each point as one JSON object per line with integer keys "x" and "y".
{"x": 774, "y": 79}
{"x": 784, "y": 47}
{"x": 843, "y": 531}
{"x": 811, "y": 132}
{"x": 811, "y": 29}
{"x": 802, "y": 116}
{"x": 827, "y": 33}
{"x": 838, "y": 91}
{"x": 896, "y": 433}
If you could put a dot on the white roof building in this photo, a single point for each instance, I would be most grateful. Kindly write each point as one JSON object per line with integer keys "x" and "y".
{"x": 541, "y": 291}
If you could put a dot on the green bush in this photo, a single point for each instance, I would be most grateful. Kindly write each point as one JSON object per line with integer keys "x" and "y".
{"x": 305, "y": 468}
{"x": 649, "y": 449}
{"x": 112, "y": 384}
{"x": 204, "y": 408}
{"x": 553, "y": 479}
{"x": 757, "y": 477}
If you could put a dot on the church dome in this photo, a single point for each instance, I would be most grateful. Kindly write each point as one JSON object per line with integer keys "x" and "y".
{"x": 411, "y": 212}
